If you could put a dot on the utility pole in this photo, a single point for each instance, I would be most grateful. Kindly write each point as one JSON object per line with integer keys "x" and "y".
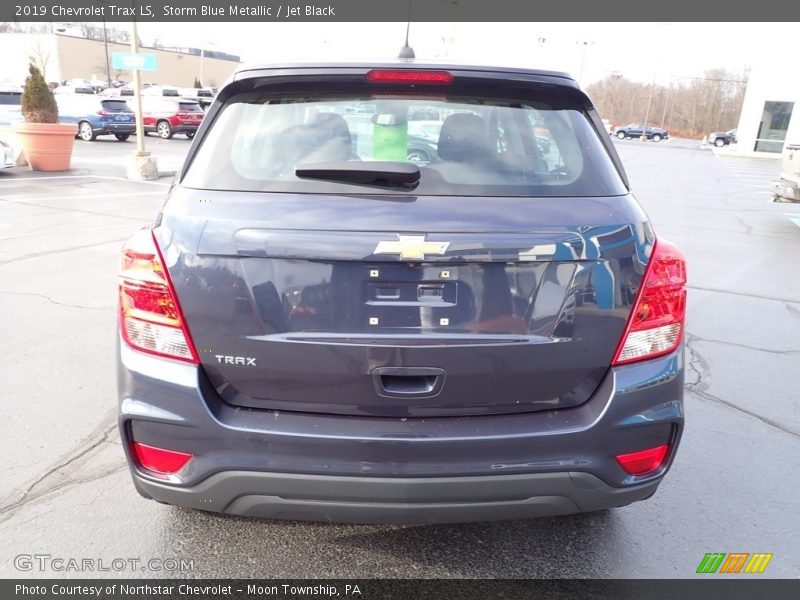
{"x": 140, "y": 165}
{"x": 647, "y": 112}
{"x": 666, "y": 103}
{"x": 586, "y": 45}
{"x": 105, "y": 43}
{"x": 137, "y": 96}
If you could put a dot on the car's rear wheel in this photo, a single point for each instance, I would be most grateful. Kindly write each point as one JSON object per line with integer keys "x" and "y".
{"x": 621, "y": 135}
{"x": 85, "y": 132}
{"x": 122, "y": 136}
{"x": 418, "y": 156}
{"x": 719, "y": 142}
{"x": 164, "y": 130}
{"x": 656, "y": 137}
{"x": 190, "y": 135}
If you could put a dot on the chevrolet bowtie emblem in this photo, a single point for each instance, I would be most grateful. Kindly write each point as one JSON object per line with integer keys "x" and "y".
{"x": 411, "y": 247}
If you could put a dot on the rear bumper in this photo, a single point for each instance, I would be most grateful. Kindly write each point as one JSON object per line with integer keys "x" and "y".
{"x": 396, "y": 500}
{"x": 177, "y": 128}
{"x": 378, "y": 469}
{"x": 116, "y": 128}
{"x": 185, "y": 127}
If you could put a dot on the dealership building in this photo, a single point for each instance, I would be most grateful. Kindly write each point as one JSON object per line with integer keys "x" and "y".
{"x": 770, "y": 117}
{"x": 66, "y": 55}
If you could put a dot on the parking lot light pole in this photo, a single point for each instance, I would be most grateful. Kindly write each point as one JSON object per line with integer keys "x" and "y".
{"x": 203, "y": 42}
{"x": 105, "y": 43}
{"x": 141, "y": 165}
{"x": 137, "y": 82}
{"x": 586, "y": 45}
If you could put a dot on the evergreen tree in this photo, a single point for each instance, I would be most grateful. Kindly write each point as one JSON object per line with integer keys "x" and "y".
{"x": 38, "y": 103}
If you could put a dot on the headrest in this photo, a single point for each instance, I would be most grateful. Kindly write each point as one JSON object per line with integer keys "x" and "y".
{"x": 463, "y": 138}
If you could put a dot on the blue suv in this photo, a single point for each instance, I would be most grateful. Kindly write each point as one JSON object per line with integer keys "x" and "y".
{"x": 317, "y": 329}
{"x": 97, "y": 116}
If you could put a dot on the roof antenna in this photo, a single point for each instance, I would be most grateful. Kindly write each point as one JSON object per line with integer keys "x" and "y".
{"x": 407, "y": 51}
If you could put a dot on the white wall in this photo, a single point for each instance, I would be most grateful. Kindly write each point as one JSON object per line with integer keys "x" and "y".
{"x": 16, "y": 50}
{"x": 776, "y": 81}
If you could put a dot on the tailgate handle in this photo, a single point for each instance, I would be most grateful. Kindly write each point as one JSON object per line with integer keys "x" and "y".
{"x": 408, "y": 382}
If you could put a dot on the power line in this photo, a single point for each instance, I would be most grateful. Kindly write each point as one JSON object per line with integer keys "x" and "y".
{"x": 712, "y": 79}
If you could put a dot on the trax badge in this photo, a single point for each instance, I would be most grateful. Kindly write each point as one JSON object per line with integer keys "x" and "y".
{"x": 243, "y": 361}
{"x": 411, "y": 247}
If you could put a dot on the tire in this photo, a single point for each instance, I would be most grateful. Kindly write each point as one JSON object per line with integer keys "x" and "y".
{"x": 656, "y": 137}
{"x": 85, "y": 131}
{"x": 164, "y": 130}
{"x": 621, "y": 135}
{"x": 719, "y": 142}
{"x": 418, "y": 156}
{"x": 190, "y": 135}
{"x": 122, "y": 136}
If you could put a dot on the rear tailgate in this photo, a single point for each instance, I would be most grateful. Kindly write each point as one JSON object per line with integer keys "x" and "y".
{"x": 516, "y": 319}
{"x": 499, "y": 283}
{"x": 120, "y": 111}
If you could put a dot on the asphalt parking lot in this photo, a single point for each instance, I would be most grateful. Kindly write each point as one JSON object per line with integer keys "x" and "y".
{"x": 65, "y": 490}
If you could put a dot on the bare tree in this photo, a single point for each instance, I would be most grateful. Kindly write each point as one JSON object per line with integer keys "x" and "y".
{"x": 693, "y": 106}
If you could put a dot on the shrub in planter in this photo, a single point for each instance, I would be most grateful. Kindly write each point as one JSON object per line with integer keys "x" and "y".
{"x": 47, "y": 143}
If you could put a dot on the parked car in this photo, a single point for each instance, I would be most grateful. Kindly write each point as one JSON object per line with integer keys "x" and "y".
{"x": 428, "y": 130}
{"x": 117, "y": 92}
{"x": 160, "y": 90}
{"x": 94, "y": 85}
{"x": 309, "y": 334}
{"x": 96, "y": 115}
{"x": 6, "y": 155}
{"x": 722, "y": 138}
{"x": 203, "y": 96}
{"x": 10, "y": 104}
{"x": 71, "y": 90}
{"x": 167, "y": 116}
{"x": 635, "y": 130}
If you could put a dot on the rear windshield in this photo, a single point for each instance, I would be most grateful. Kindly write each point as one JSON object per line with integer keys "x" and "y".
{"x": 468, "y": 146}
{"x": 116, "y": 106}
{"x": 189, "y": 107}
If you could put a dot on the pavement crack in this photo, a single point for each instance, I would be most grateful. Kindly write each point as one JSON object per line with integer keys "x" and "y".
{"x": 748, "y": 229}
{"x": 30, "y": 494}
{"x": 74, "y": 210}
{"x": 787, "y": 301}
{"x": 52, "y": 301}
{"x": 745, "y": 346}
{"x": 792, "y": 310}
{"x": 60, "y": 250}
{"x": 8, "y": 512}
{"x": 699, "y": 387}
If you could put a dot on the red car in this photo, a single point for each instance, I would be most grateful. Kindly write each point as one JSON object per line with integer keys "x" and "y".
{"x": 167, "y": 116}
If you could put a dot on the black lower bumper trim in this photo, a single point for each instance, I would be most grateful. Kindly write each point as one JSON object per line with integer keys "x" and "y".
{"x": 396, "y": 500}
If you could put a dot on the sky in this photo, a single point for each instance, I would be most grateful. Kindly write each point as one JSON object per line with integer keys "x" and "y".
{"x": 589, "y": 51}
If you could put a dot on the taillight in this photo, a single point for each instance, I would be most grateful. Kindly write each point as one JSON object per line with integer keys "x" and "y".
{"x": 149, "y": 314}
{"x": 655, "y": 326}
{"x": 103, "y": 113}
{"x": 643, "y": 461}
{"x": 410, "y": 77}
{"x": 160, "y": 460}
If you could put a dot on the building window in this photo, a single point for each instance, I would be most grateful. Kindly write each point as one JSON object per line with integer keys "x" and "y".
{"x": 772, "y": 129}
